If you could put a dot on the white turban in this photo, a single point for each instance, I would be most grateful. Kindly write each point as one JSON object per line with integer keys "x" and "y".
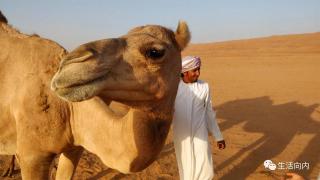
{"x": 190, "y": 63}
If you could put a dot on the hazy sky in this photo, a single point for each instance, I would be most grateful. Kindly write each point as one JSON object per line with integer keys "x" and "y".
{"x": 74, "y": 22}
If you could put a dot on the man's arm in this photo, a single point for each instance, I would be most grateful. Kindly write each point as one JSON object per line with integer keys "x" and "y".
{"x": 212, "y": 124}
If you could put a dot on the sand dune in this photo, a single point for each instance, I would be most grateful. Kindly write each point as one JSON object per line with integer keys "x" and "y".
{"x": 266, "y": 92}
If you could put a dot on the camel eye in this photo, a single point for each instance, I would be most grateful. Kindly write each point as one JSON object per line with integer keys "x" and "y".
{"x": 154, "y": 53}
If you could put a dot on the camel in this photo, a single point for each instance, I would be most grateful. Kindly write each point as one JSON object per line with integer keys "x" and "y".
{"x": 54, "y": 102}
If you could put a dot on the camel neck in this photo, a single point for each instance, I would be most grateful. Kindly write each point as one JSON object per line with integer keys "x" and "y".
{"x": 127, "y": 143}
{"x": 96, "y": 128}
{"x": 88, "y": 118}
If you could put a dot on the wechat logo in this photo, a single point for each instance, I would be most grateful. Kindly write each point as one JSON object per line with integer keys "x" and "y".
{"x": 268, "y": 164}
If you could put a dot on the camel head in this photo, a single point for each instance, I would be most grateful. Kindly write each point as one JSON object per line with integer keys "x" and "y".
{"x": 143, "y": 65}
{"x": 141, "y": 70}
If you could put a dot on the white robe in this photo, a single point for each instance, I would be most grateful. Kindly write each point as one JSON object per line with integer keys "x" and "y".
{"x": 192, "y": 120}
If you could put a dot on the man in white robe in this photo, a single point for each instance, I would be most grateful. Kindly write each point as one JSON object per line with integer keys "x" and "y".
{"x": 193, "y": 118}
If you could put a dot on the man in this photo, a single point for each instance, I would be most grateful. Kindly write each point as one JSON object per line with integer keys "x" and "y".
{"x": 193, "y": 118}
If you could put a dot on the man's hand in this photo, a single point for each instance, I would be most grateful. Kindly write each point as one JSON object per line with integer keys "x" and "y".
{"x": 221, "y": 144}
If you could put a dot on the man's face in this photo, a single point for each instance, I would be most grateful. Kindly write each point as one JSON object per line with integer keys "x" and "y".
{"x": 192, "y": 75}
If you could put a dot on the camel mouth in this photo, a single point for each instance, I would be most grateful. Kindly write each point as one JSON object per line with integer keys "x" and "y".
{"x": 102, "y": 87}
{"x": 79, "y": 91}
{"x": 88, "y": 82}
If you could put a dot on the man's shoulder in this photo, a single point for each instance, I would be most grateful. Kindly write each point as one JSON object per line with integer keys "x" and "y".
{"x": 202, "y": 86}
{"x": 202, "y": 83}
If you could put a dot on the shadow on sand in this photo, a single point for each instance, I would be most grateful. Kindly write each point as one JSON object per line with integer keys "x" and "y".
{"x": 278, "y": 123}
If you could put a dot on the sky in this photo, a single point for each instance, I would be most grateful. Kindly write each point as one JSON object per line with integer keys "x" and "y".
{"x": 74, "y": 22}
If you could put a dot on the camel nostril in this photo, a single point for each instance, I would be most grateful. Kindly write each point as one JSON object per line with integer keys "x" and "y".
{"x": 76, "y": 58}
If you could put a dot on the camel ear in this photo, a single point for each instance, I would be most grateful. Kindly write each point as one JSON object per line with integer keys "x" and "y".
{"x": 182, "y": 35}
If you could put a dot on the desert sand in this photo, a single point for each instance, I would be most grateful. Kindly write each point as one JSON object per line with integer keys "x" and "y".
{"x": 266, "y": 92}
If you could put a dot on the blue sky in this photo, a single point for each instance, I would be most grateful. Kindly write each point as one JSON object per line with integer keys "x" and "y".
{"x": 75, "y": 22}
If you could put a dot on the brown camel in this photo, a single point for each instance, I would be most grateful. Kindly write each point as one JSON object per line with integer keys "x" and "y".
{"x": 140, "y": 70}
